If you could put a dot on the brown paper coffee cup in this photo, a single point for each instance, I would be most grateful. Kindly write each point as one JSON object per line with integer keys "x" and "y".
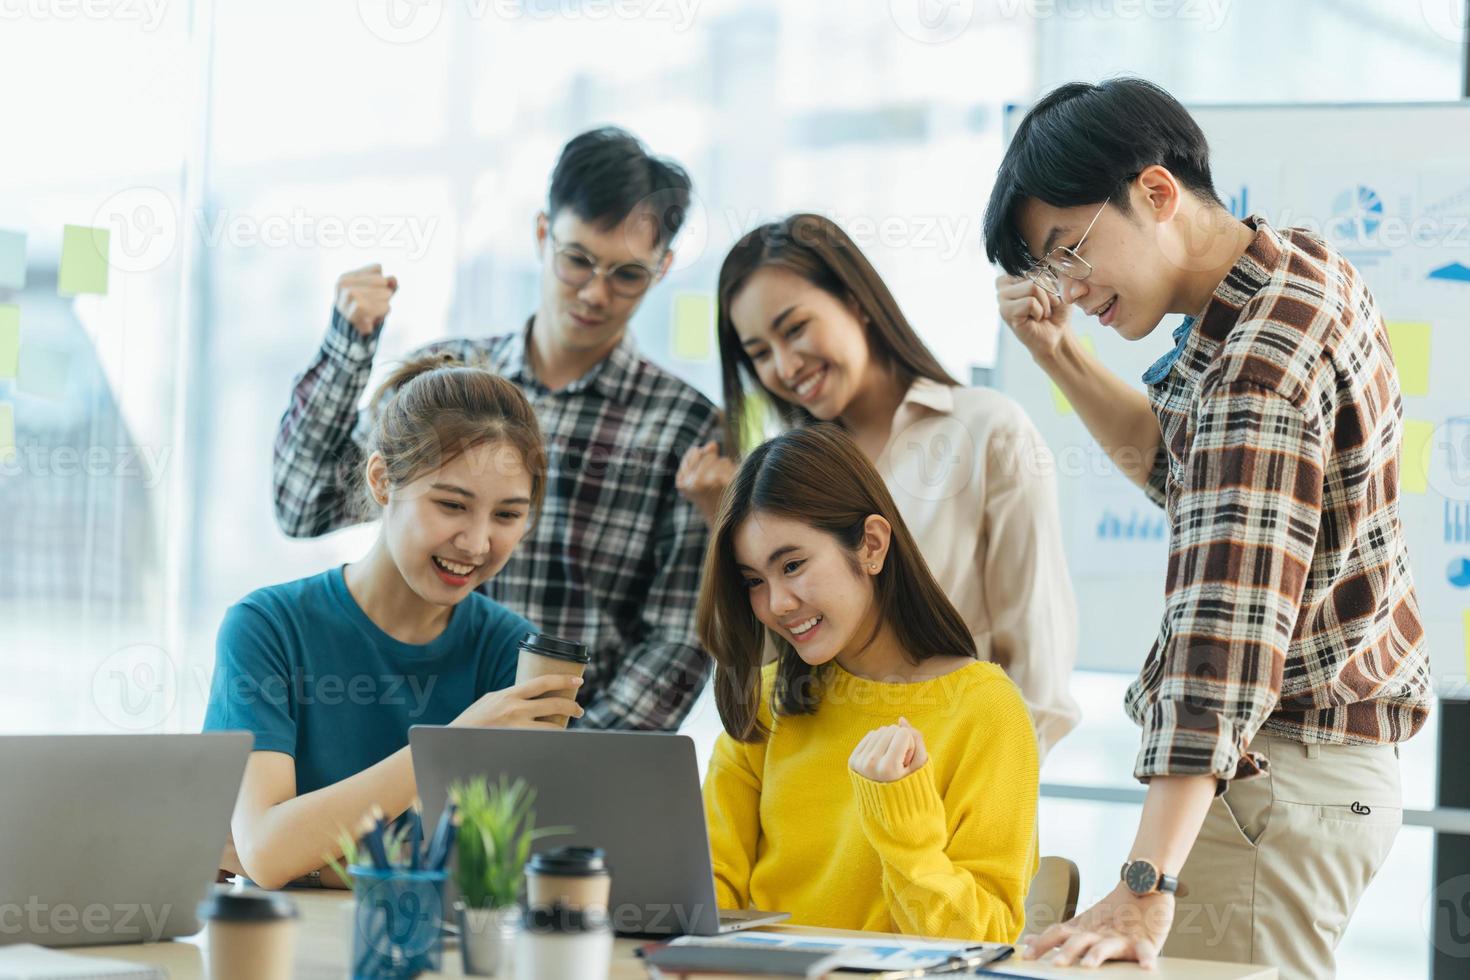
{"x": 252, "y": 935}
{"x": 541, "y": 655}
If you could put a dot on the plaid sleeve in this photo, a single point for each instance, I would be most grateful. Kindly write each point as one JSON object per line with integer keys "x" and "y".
{"x": 1154, "y": 486}
{"x": 1246, "y": 526}
{"x": 316, "y": 457}
{"x": 660, "y": 675}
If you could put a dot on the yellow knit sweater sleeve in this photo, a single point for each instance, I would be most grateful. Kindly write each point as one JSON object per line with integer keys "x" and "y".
{"x": 960, "y": 866}
{"x": 732, "y": 797}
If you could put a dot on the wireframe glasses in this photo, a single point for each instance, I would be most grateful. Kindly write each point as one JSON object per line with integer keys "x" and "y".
{"x": 1063, "y": 261}
{"x": 576, "y": 268}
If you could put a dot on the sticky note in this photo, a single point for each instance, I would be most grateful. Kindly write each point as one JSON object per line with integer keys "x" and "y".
{"x": 7, "y": 432}
{"x": 1467, "y": 642}
{"x": 1059, "y": 400}
{"x": 1414, "y": 465}
{"x": 43, "y": 372}
{"x": 1410, "y": 340}
{"x": 12, "y": 259}
{"x": 693, "y": 330}
{"x": 83, "y": 261}
{"x": 753, "y": 424}
{"x": 9, "y": 340}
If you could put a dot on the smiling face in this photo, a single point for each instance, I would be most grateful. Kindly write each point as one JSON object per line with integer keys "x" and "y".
{"x": 806, "y": 588}
{"x": 453, "y": 528}
{"x": 1134, "y": 282}
{"x": 592, "y": 317}
{"x": 807, "y": 346}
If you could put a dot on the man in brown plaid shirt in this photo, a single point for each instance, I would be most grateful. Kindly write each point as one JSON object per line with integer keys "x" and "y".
{"x": 1291, "y": 659}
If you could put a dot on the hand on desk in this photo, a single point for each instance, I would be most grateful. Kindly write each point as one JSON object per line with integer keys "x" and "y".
{"x": 1120, "y": 927}
{"x": 887, "y": 754}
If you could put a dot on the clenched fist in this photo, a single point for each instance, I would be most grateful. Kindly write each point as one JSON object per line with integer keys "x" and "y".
{"x": 887, "y": 754}
{"x": 1037, "y": 318}
{"x": 702, "y": 478}
{"x": 363, "y": 296}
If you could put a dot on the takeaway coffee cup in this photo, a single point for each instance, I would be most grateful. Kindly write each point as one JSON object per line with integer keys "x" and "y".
{"x": 542, "y": 654}
{"x": 570, "y": 877}
{"x": 252, "y": 935}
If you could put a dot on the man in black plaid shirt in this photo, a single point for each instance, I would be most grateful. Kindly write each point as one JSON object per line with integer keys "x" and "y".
{"x": 614, "y": 560}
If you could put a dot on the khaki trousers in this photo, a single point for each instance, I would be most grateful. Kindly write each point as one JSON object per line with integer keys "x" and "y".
{"x": 1284, "y": 857}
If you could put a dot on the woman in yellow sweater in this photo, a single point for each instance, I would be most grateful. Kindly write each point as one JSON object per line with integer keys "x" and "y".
{"x": 877, "y": 775}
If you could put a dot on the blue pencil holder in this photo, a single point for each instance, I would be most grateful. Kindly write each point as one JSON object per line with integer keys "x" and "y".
{"x": 397, "y": 922}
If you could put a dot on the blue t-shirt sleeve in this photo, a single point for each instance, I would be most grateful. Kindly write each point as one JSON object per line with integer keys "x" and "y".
{"x": 251, "y": 690}
{"x": 501, "y": 652}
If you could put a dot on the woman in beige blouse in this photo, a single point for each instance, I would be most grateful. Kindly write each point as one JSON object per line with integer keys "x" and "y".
{"x": 804, "y": 316}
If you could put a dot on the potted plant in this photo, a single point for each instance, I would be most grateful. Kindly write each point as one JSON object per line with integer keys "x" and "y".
{"x": 496, "y": 830}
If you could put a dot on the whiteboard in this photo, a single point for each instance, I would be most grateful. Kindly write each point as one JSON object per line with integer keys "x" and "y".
{"x": 1388, "y": 185}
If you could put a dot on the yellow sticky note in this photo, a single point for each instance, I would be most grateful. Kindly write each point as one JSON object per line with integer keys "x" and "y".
{"x": 1059, "y": 400}
{"x": 83, "y": 261}
{"x": 753, "y": 424}
{"x": 1410, "y": 340}
{"x": 693, "y": 331}
{"x": 7, "y": 432}
{"x": 1414, "y": 465}
{"x": 1467, "y": 642}
{"x": 9, "y": 340}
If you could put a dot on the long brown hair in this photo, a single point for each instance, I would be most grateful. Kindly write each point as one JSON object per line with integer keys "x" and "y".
{"x": 816, "y": 475}
{"x": 434, "y": 408}
{"x": 818, "y": 250}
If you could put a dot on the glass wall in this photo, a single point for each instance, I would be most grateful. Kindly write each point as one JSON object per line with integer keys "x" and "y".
{"x": 242, "y": 156}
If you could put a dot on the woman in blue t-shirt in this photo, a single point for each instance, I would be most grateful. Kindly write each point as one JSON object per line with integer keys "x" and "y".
{"x": 329, "y": 672}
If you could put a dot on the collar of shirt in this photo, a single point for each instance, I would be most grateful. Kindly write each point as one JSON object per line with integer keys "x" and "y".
{"x": 614, "y": 376}
{"x": 1244, "y": 280}
{"x": 930, "y": 394}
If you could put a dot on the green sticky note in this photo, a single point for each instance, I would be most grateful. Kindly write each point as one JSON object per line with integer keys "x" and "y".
{"x": 7, "y": 432}
{"x": 9, "y": 340}
{"x": 83, "y": 261}
{"x": 1059, "y": 400}
{"x": 12, "y": 259}
{"x": 693, "y": 328}
{"x": 1414, "y": 465}
{"x": 43, "y": 372}
{"x": 1410, "y": 340}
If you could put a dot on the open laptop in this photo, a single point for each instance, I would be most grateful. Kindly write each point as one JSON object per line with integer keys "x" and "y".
{"x": 633, "y": 794}
{"x": 112, "y": 838}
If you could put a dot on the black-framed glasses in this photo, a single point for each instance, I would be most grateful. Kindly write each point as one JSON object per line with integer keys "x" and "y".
{"x": 1063, "y": 261}
{"x": 576, "y": 268}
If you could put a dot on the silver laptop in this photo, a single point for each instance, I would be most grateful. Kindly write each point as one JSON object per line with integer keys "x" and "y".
{"x": 633, "y": 794}
{"x": 112, "y": 838}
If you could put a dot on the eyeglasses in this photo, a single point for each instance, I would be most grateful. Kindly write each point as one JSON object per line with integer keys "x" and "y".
{"x": 1063, "y": 261}
{"x": 576, "y": 268}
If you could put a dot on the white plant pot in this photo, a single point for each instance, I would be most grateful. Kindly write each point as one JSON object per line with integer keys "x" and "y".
{"x": 487, "y": 938}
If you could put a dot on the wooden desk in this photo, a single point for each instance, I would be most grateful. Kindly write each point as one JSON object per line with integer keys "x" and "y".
{"x": 325, "y": 924}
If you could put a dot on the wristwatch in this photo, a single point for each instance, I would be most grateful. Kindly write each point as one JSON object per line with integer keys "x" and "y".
{"x": 1142, "y": 878}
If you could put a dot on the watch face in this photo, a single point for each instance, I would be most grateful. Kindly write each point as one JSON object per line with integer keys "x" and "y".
{"x": 1141, "y": 878}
